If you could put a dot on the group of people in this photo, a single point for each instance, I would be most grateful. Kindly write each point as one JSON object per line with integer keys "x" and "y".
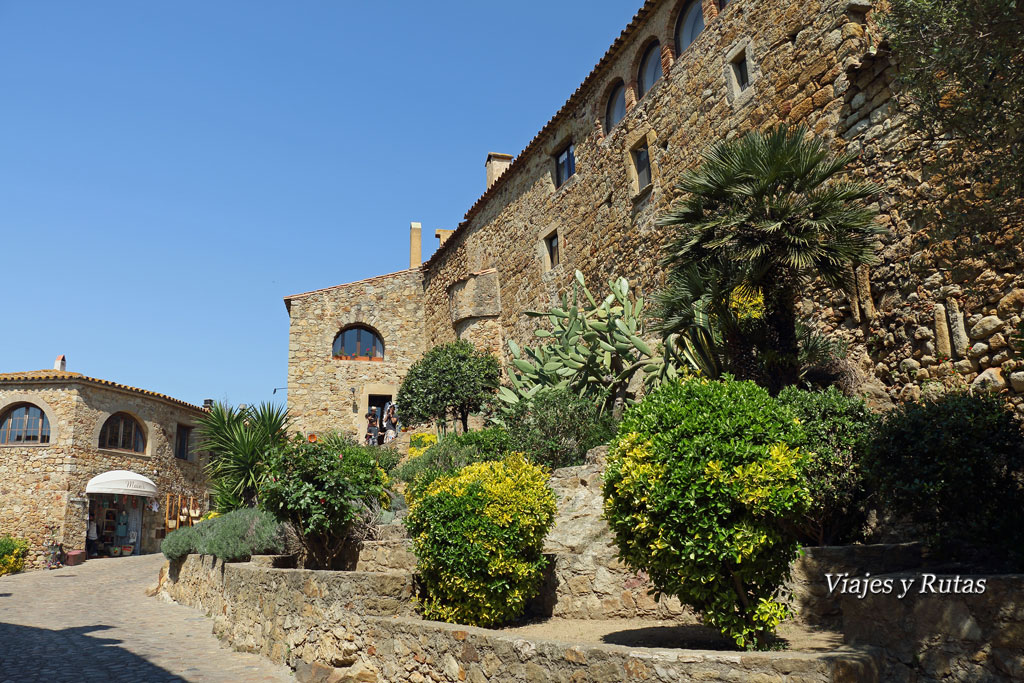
{"x": 383, "y": 429}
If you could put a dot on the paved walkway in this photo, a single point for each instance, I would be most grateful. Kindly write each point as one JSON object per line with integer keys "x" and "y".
{"x": 94, "y": 622}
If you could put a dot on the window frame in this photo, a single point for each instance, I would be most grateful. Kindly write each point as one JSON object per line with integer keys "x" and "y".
{"x": 570, "y": 150}
{"x": 183, "y": 435}
{"x": 617, "y": 89}
{"x": 43, "y": 430}
{"x": 138, "y": 434}
{"x": 337, "y": 352}
{"x": 684, "y": 15}
{"x": 552, "y": 248}
{"x": 653, "y": 51}
{"x": 635, "y": 154}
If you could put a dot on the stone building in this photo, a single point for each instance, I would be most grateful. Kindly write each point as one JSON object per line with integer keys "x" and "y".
{"x": 585, "y": 192}
{"x": 60, "y": 429}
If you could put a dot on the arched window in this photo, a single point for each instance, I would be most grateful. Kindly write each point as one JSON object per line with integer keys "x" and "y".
{"x": 689, "y": 26}
{"x": 616, "y": 109}
{"x": 358, "y": 343}
{"x": 650, "y": 69}
{"x": 121, "y": 432}
{"x": 24, "y": 424}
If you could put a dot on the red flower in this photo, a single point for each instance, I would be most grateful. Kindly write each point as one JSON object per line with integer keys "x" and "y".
{"x": 322, "y": 501}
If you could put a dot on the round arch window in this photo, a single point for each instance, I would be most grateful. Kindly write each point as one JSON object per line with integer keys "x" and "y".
{"x": 650, "y": 69}
{"x": 689, "y": 26}
{"x": 616, "y": 109}
{"x": 358, "y": 343}
{"x": 24, "y": 424}
{"x": 122, "y": 432}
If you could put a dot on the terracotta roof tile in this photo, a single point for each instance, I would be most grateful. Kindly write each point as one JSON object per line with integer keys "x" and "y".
{"x": 57, "y": 375}
{"x": 552, "y": 122}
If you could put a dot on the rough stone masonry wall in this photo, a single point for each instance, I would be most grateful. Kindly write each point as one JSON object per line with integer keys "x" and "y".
{"x": 319, "y": 386}
{"x": 938, "y": 307}
{"x": 44, "y": 485}
{"x": 326, "y": 626}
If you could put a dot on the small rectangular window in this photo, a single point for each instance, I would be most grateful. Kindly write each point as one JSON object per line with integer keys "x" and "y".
{"x": 181, "y": 442}
{"x": 642, "y": 162}
{"x": 739, "y": 70}
{"x": 565, "y": 165}
{"x": 551, "y": 243}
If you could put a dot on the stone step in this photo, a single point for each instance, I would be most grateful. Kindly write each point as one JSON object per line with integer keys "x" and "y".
{"x": 392, "y": 532}
{"x": 386, "y": 556}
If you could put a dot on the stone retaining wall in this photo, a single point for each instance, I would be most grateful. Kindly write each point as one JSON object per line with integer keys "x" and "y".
{"x": 358, "y": 626}
{"x": 948, "y": 636}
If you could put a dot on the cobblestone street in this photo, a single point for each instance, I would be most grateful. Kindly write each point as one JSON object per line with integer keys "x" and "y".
{"x": 94, "y": 622}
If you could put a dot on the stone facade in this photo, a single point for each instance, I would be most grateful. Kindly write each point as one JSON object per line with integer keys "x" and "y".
{"x": 936, "y": 310}
{"x": 326, "y": 393}
{"x": 44, "y": 485}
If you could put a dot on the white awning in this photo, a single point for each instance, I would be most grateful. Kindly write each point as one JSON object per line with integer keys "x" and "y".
{"x": 121, "y": 482}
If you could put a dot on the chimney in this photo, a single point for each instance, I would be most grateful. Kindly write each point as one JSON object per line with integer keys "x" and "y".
{"x": 207, "y": 404}
{"x": 415, "y": 245}
{"x": 443, "y": 235}
{"x": 496, "y": 165}
{"x": 61, "y": 364}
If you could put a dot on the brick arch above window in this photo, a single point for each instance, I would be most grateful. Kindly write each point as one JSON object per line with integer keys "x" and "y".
{"x": 687, "y": 24}
{"x": 24, "y": 423}
{"x": 358, "y": 342}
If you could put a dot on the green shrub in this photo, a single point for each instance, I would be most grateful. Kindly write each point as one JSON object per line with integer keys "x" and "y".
{"x": 12, "y": 554}
{"x": 322, "y": 490}
{"x": 478, "y": 535}
{"x": 232, "y": 537}
{"x": 556, "y": 427}
{"x": 837, "y": 430}
{"x": 452, "y": 453}
{"x": 387, "y": 458}
{"x": 179, "y": 543}
{"x": 699, "y": 486}
{"x": 954, "y": 467}
{"x": 452, "y": 380}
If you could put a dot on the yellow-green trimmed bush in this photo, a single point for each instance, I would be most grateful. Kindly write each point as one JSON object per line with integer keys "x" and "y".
{"x": 12, "y": 554}
{"x": 478, "y": 535}
{"x": 701, "y": 486}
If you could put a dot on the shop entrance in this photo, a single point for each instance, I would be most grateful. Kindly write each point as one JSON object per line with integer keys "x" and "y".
{"x": 118, "y": 523}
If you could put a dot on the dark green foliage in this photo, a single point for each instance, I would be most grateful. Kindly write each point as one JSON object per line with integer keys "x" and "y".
{"x": 232, "y": 537}
{"x": 238, "y": 440}
{"x": 452, "y": 380}
{"x": 322, "y": 489}
{"x": 556, "y": 427}
{"x": 451, "y": 453}
{"x": 955, "y": 467}
{"x": 765, "y": 215}
{"x": 837, "y": 430}
{"x": 387, "y": 458}
{"x": 478, "y": 535}
{"x": 961, "y": 64}
{"x": 701, "y": 484}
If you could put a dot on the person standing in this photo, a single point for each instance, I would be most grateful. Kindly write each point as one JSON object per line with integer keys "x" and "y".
{"x": 372, "y": 429}
{"x": 91, "y": 537}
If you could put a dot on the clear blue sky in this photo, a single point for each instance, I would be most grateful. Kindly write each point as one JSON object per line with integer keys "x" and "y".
{"x": 170, "y": 170}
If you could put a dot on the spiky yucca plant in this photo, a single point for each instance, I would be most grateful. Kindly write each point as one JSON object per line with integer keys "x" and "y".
{"x": 238, "y": 440}
{"x": 772, "y": 208}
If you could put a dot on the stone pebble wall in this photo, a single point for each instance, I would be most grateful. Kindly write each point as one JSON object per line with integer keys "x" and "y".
{"x": 937, "y": 311}
{"x": 943, "y": 636}
{"x": 45, "y": 485}
{"x": 317, "y": 623}
{"x": 319, "y": 386}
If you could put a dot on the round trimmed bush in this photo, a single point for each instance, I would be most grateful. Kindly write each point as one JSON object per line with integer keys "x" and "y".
{"x": 701, "y": 483}
{"x": 837, "y": 430}
{"x": 478, "y": 535}
{"x": 954, "y": 466}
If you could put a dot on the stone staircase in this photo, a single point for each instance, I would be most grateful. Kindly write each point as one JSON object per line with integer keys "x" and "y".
{"x": 585, "y": 580}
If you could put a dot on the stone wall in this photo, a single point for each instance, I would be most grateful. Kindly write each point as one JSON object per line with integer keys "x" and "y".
{"x": 318, "y": 623}
{"x": 45, "y": 485}
{"x": 943, "y": 636}
{"x": 936, "y": 311}
{"x": 320, "y": 387}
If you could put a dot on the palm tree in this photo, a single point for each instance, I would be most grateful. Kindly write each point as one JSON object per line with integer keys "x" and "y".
{"x": 768, "y": 212}
{"x": 238, "y": 440}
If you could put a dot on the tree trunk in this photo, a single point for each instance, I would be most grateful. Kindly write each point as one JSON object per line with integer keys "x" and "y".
{"x": 780, "y": 317}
